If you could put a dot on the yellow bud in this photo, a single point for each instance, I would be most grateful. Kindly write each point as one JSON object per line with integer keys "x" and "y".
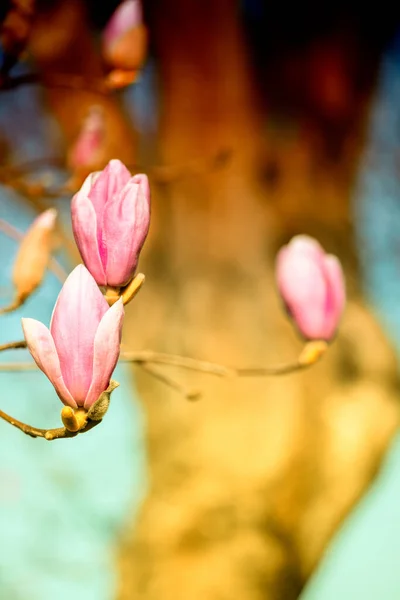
{"x": 127, "y": 293}
{"x": 73, "y": 420}
{"x": 130, "y": 291}
{"x": 312, "y": 352}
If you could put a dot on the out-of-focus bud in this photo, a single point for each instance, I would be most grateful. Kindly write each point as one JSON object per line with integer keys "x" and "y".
{"x": 110, "y": 221}
{"x": 86, "y": 153}
{"x": 312, "y": 287}
{"x": 124, "y": 43}
{"x": 79, "y": 352}
{"x": 34, "y": 255}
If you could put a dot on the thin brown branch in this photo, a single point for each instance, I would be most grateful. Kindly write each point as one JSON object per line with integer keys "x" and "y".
{"x": 170, "y": 382}
{"x": 310, "y": 354}
{"x": 312, "y": 351}
{"x": 13, "y": 345}
{"x": 15, "y": 304}
{"x": 48, "y": 434}
{"x": 284, "y": 369}
{"x": 148, "y": 356}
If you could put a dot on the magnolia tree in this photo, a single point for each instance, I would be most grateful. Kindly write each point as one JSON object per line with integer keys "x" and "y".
{"x": 80, "y": 349}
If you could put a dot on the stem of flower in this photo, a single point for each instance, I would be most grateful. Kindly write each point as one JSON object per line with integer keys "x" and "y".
{"x": 11, "y": 307}
{"x": 130, "y": 291}
{"x": 174, "y": 360}
{"x": 175, "y": 385}
{"x": 48, "y": 434}
{"x": 310, "y": 354}
{"x": 13, "y": 345}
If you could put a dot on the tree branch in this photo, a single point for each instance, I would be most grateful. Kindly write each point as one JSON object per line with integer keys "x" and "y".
{"x": 47, "y": 434}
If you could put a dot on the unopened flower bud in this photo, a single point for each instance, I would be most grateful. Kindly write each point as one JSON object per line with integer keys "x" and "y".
{"x": 79, "y": 352}
{"x": 34, "y": 255}
{"x": 85, "y": 154}
{"x": 110, "y": 221}
{"x": 312, "y": 287}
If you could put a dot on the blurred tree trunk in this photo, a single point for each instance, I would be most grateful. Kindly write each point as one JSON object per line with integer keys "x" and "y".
{"x": 248, "y": 484}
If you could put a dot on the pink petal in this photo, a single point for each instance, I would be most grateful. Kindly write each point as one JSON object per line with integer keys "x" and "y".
{"x": 110, "y": 181}
{"x": 76, "y": 317}
{"x": 307, "y": 246}
{"x": 303, "y": 287}
{"x": 125, "y": 227}
{"x": 88, "y": 183}
{"x": 143, "y": 181}
{"x": 337, "y": 293}
{"x": 41, "y": 346}
{"x": 84, "y": 226}
{"x": 106, "y": 351}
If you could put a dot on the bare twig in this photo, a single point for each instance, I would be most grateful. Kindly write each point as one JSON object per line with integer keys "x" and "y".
{"x": 48, "y": 434}
{"x": 310, "y": 354}
{"x": 13, "y": 345}
{"x": 170, "y": 382}
{"x": 11, "y": 307}
{"x": 284, "y": 369}
{"x": 148, "y": 356}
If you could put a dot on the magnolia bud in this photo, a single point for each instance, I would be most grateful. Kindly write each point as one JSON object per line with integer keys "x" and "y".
{"x": 312, "y": 287}
{"x": 110, "y": 221}
{"x": 33, "y": 255}
{"x": 79, "y": 352}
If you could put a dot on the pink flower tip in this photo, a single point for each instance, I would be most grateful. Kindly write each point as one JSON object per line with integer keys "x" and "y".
{"x": 311, "y": 284}
{"x": 127, "y": 15}
{"x": 110, "y": 221}
{"x": 89, "y": 142}
{"x": 80, "y": 350}
{"x": 47, "y": 219}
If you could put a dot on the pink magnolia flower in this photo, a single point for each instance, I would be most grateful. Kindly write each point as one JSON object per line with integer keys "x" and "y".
{"x": 312, "y": 286}
{"x": 110, "y": 221}
{"x": 79, "y": 352}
